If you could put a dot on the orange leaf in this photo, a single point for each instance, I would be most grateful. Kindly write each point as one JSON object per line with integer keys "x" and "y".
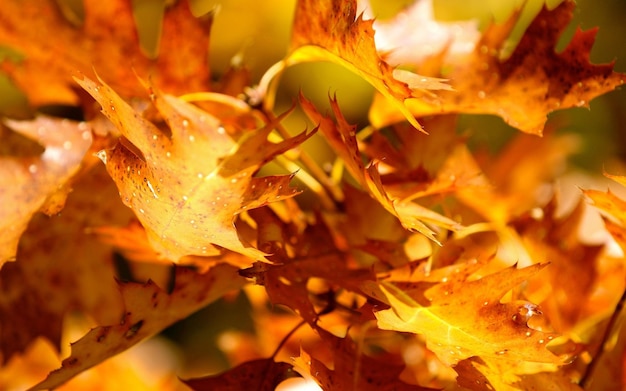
{"x": 342, "y": 137}
{"x": 54, "y": 49}
{"x": 460, "y": 319}
{"x": 31, "y": 184}
{"x": 523, "y": 89}
{"x": 340, "y": 36}
{"x": 262, "y": 375}
{"x": 61, "y": 267}
{"x": 187, "y": 189}
{"x": 148, "y": 310}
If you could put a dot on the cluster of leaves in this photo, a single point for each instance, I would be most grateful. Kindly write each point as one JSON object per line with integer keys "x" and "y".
{"x": 419, "y": 265}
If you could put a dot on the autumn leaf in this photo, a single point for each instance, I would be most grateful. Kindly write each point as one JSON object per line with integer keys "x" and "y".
{"x": 482, "y": 83}
{"x": 53, "y": 49}
{"x": 262, "y": 375}
{"x": 148, "y": 310}
{"x": 61, "y": 267}
{"x": 476, "y": 374}
{"x": 573, "y": 271}
{"x": 352, "y": 370}
{"x": 341, "y": 36}
{"x": 476, "y": 323}
{"x": 187, "y": 190}
{"x": 613, "y": 209}
{"x": 38, "y": 183}
{"x": 342, "y": 137}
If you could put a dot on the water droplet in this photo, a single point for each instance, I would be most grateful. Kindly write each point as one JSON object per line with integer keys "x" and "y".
{"x": 536, "y": 213}
{"x": 67, "y": 145}
{"x": 185, "y": 123}
{"x": 141, "y": 210}
{"x": 185, "y": 198}
{"x": 155, "y": 137}
{"x": 102, "y": 155}
{"x": 234, "y": 180}
{"x": 86, "y": 135}
{"x": 486, "y": 303}
{"x": 525, "y": 312}
{"x": 445, "y": 279}
{"x": 200, "y": 175}
{"x": 32, "y": 168}
{"x": 221, "y": 130}
{"x": 528, "y": 333}
{"x": 112, "y": 108}
{"x": 192, "y": 138}
{"x": 541, "y": 341}
{"x": 481, "y": 94}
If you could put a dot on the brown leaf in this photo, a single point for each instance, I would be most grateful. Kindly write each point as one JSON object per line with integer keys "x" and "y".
{"x": 351, "y": 369}
{"x": 187, "y": 189}
{"x": 262, "y": 375}
{"x": 54, "y": 49}
{"x": 523, "y": 89}
{"x": 38, "y": 183}
{"x": 62, "y": 267}
{"x": 148, "y": 310}
{"x": 342, "y": 137}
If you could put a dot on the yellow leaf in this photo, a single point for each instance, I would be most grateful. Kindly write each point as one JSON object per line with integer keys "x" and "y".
{"x": 460, "y": 319}
{"x": 187, "y": 189}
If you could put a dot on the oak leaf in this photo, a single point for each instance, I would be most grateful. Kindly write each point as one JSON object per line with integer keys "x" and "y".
{"x": 262, "y": 375}
{"x": 38, "y": 183}
{"x": 53, "y": 49}
{"x": 613, "y": 209}
{"x": 342, "y": 138}
{"x": 524, "y": 88}
{"x": 461, "y": 319}
{"x": 61, "y": 267}
{"x": 351, "y": 369}
{"x": 476, "y": 374}
{"x": 187, "y": 189}
{"x": 148, "y": 310}
{"x": 341, "y": 36}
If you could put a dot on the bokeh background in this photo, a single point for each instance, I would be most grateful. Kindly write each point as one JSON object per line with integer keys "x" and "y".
{"x": 258, "y": 32}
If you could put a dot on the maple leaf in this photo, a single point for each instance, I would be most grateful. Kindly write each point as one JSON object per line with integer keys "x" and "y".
{"x": 38, "y": 183}
{"x": 262, "y": 374}
{"x": 342, "y": 137}
{"x": 53, "y": 49}
{"x": 187, "y": 189}
{"x": 61, "y": 267}
{"x": 352, "y": 370}
{"x": 548, "y": 81}
{"x": 148, "y": 310}
{"x": 340, "y": 36}
{"x": 460, "y": 319}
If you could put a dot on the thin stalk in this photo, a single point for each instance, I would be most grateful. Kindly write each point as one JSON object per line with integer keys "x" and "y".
{"x": 585, "y": 381}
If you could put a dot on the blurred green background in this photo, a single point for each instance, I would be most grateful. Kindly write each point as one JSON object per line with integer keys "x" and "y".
{"x": 260, "y": 31}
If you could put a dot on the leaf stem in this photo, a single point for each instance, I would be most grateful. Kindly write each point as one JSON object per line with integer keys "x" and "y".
{"x": 587, "y": 377}
{"x": 332, "y": 193}
{"x": 286, "y": 338}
